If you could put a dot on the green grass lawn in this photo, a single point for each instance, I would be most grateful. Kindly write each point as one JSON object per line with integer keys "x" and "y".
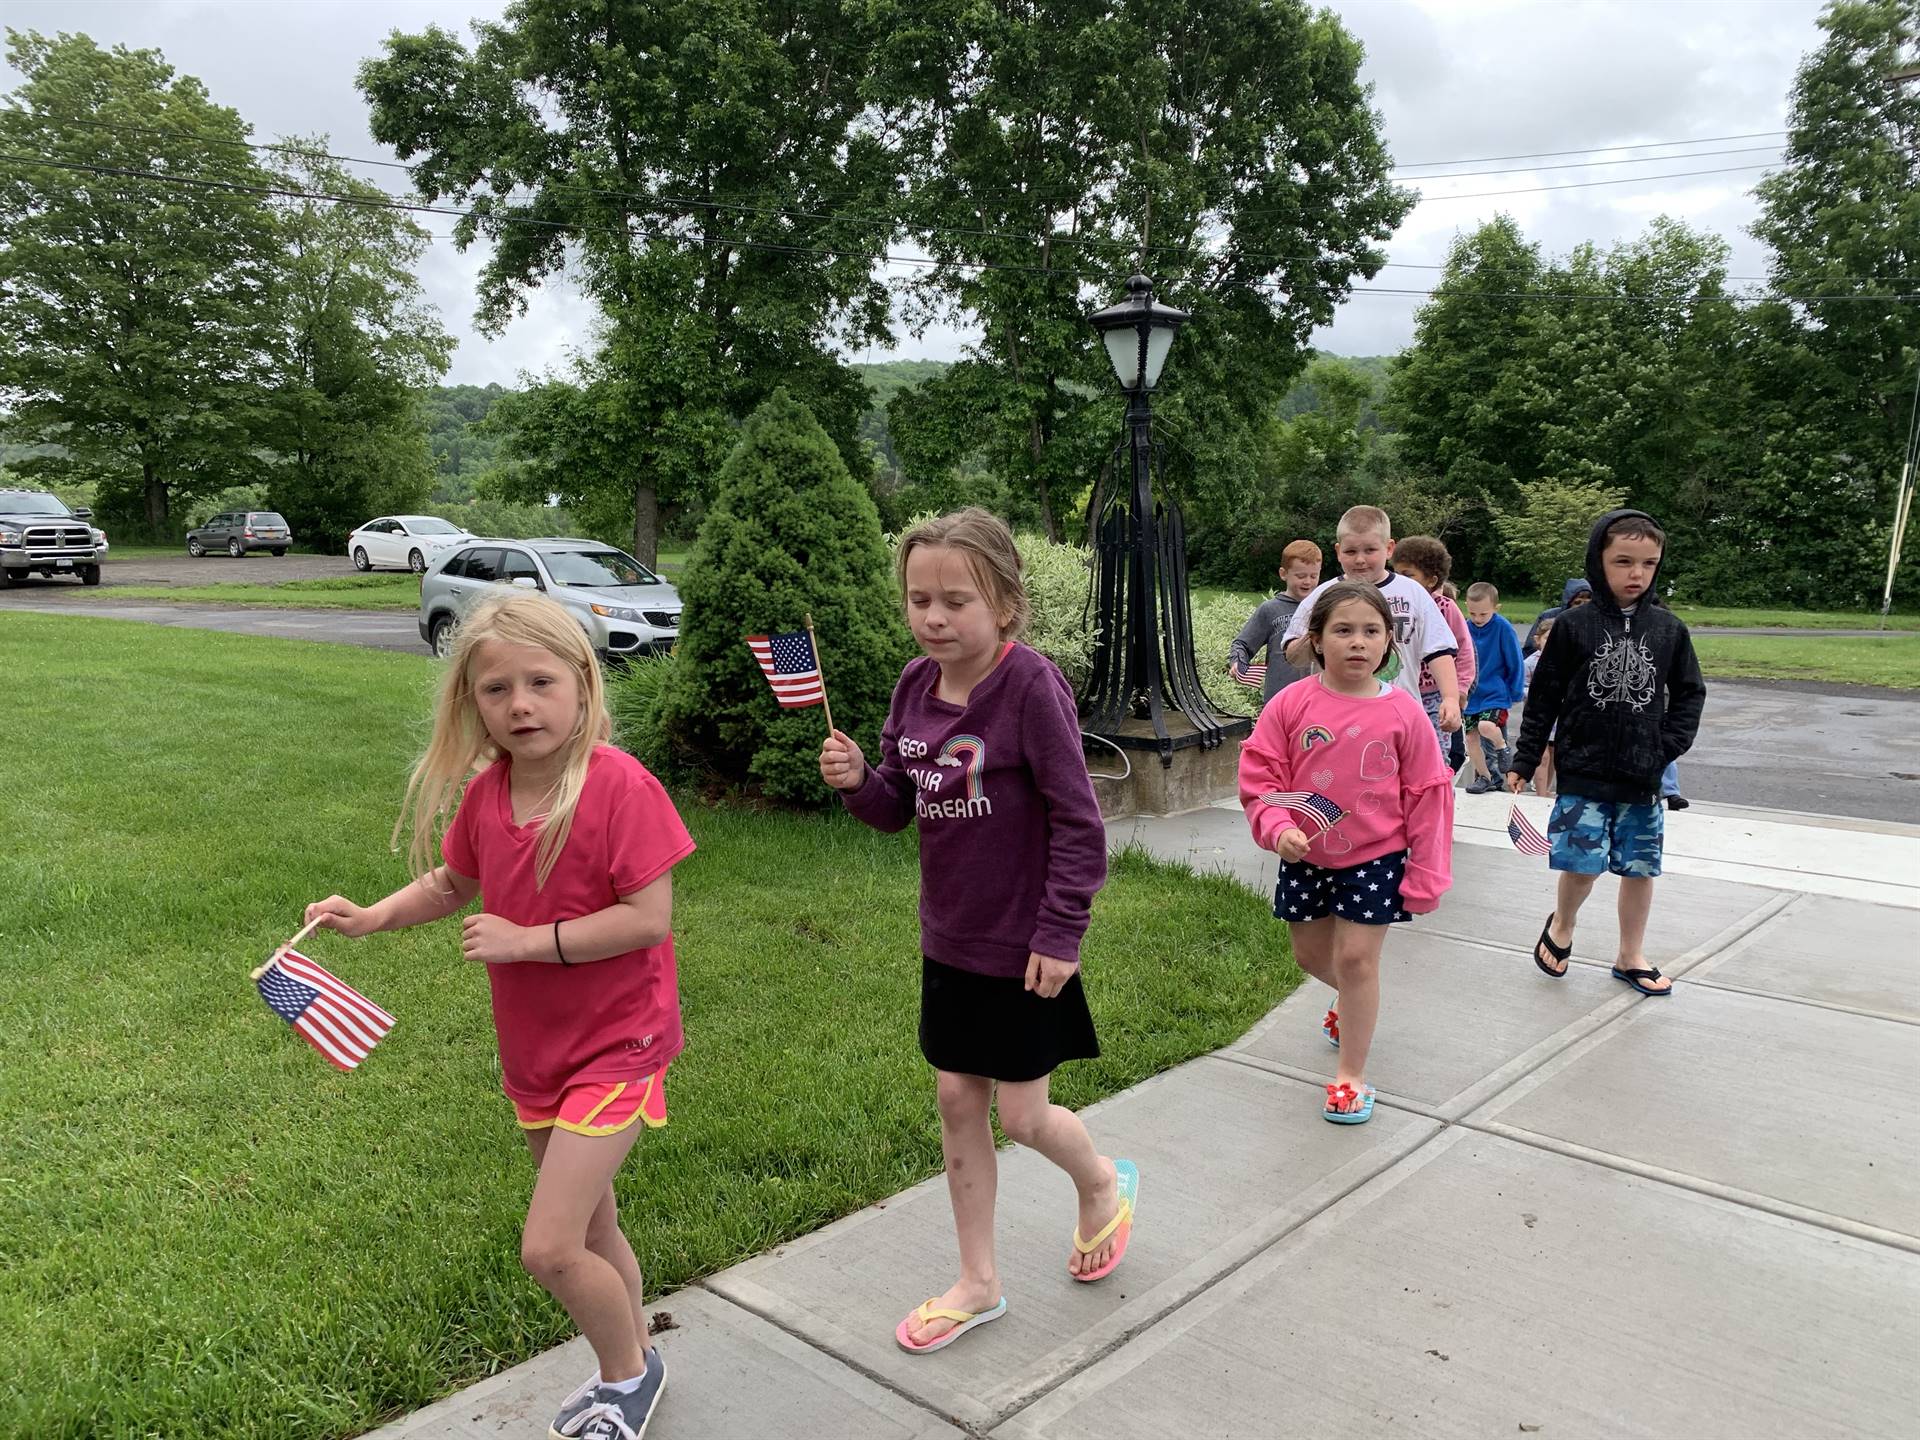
{"x": 1886, "y": 660}
{"x": 207, "y": 1232}
{"x": 383, "y": 591}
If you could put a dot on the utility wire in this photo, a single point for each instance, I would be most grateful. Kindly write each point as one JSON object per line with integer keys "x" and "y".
{"x": 1275, "y": 288}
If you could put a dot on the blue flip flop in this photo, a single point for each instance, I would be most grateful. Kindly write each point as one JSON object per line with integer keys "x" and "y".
{"x": 1335, "y": 1095}
{"x": 1127, "y": 1180}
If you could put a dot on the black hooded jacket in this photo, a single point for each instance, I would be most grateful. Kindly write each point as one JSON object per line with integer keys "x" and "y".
{"x": 1625, "y": 689}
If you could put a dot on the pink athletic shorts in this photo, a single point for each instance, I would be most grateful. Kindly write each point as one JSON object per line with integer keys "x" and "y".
{"x": 601, "y": 1107}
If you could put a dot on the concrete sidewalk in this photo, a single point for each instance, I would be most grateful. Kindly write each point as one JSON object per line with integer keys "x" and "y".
{"x": 1575, "y": 1211}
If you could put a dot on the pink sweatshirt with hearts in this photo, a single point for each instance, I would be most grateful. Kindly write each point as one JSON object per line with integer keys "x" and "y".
{"x": 1374, "y": 757}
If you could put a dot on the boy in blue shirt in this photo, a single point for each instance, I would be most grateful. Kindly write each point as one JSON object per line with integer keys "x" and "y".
{"x": 1499, "y": 681}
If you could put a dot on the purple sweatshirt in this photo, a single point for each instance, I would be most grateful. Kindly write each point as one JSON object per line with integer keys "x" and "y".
{"x": 1012, "y": 848}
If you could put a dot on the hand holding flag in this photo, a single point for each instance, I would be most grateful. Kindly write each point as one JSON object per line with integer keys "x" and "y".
{"x": 330, "y": 1015}
{"x": 1314, "y": 811}
{"x": 1252, "y": 675}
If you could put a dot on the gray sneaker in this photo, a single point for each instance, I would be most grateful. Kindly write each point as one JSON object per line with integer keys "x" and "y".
{"x": 613, "y": 1416}
{"x": 567, "y": 1423}
{"x": 1479, "y": 785}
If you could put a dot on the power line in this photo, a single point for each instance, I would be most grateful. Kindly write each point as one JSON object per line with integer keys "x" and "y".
{"x": 1587, "y": 184}
{"x": 1593, "y": 149}
{"x": 1274, "y": 288}
{"x": 1595, "y": 164}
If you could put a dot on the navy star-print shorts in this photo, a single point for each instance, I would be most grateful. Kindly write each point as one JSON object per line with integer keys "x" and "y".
{"x": 1366, "y": 894}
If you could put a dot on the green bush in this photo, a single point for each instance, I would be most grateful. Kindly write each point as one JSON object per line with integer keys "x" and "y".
{"x": 1215, "y": 623}
{"x": 1545, "y": 537}
{"x": 789, "y": 532}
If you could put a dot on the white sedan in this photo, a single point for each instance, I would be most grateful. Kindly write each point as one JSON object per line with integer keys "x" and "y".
{"x": 403, "y": 542}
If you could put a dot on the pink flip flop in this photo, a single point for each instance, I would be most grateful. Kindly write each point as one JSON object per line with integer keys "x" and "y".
{"x": 964, "y": 1320}
{"x": 1127, "y": 1176}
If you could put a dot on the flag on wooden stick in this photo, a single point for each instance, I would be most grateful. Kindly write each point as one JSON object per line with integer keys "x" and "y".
{"x": 329, "y": 1014}
{"x": 1525, "y": 837}
{"x": 791, "y": 667}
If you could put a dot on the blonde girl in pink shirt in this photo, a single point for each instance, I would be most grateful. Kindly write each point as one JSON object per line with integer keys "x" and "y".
{"x": 569, "y": 843}
{"x": 1345, "y": 735}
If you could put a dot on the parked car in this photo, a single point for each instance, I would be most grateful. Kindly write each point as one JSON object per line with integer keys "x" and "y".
{"x": 39, "y": 532}
{"x": 624, "y": 607}
{"x": 411, "y": 542}
{"x": 238, "y": 531}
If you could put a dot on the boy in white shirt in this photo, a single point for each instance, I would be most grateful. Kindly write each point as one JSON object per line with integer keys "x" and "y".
{"x": 1421, "y": 635}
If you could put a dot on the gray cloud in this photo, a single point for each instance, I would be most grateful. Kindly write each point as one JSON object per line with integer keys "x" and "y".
{"x": 1453, "y": 80}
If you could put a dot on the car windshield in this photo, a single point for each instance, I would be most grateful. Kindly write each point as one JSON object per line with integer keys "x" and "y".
{"x": 33, "y": 502}
{"x": 600, "y": 569}
{"x": 427, "y": 525}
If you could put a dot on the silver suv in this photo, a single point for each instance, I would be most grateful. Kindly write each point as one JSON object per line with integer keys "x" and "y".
{"x": 625, "y": 608}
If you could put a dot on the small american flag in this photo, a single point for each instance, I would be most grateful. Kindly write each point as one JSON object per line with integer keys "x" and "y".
{"x": 1315, "y": 812}
{"x": 1526, "y": 839}
{"x": 332, "y": 1016}
{"x": 790, "y": 666}
{"x": 1253, "y": 676}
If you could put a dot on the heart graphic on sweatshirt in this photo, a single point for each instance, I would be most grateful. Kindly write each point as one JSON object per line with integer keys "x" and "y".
{"x": 1353, "y": 732}
{"x": 1322, "y": 779}
{"x": 1335, "y": 842}
{"x": 1370, "y": 802}
{"x": 1378, "y": 762}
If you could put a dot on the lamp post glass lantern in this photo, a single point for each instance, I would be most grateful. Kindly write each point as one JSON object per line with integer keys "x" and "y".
{"x": 1143, "y": 664}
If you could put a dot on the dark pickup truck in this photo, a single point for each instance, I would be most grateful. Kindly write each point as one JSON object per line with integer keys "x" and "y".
{"x": 39, "y": 533}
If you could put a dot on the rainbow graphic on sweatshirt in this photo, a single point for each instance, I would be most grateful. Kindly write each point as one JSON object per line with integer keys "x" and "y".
{"x": 1315, "y": 735}
{"x": 968, "y": 750}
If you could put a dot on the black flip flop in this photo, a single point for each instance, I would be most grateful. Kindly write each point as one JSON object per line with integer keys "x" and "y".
{"x": 1558, "y": 952}
{"x": 1638, "y": 978}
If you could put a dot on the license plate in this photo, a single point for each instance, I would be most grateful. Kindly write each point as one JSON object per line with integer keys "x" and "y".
{"x": 63, "y": 564}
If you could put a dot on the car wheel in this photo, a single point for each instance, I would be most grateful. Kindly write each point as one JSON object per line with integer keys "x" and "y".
{"x": 440, "y": 636}
{"x": 89, "y": 574}
{"x": 7, "y": 577}
{"x": 196, "y": 549}
{"x": 360, "y": 561}
{"x": 416, "y": 562}
{"x": 236, "y": 549}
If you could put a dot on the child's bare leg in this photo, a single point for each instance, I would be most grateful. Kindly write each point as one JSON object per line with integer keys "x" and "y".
{"x": 1636, "y": 904}
{"x": 1031, "y": 1119}
{"x": 575, "y": 1174}
{"x": 1356, "y": 959}
{"x": 1313, "y": 948}
{"x": 1568, "y": 898}
{"x": 973, "y": 1175}
{"x": 1543, "y": 773}
{"x": 605, "y": 1238}
{"x": 1492, "y": 741}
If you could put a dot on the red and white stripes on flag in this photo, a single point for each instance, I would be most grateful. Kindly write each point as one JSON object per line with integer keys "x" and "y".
{"x": 1252, "y": 675}
{"x": 332, "y": 1016}
{"x": 791, "y": 667}
{"x": 1526, "y": 838}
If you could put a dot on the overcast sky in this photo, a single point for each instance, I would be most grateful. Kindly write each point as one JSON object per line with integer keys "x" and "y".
{"x": 1455, "y": 80}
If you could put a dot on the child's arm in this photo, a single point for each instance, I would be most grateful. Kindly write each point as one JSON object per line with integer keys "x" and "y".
{"x": 434, "y": 896}
{"x": 1426, "y": 806}
{"x": 1251, "y": 637}
{"x": 1513, "y": 663}
{"x": 633, "y": 922}
{"x": 1465, "y": 662}
{"x": 881, "y": 797}
{"x": 1686, "y": 699}
{"x": 1266, "y": 769}
{"x": 1546, "y": 693}
{"x": 1076, "y": 835}
{"x": 1437, "y": 649}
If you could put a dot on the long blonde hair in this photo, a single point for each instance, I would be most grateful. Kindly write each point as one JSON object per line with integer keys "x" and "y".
{"x": 460, "y": 745}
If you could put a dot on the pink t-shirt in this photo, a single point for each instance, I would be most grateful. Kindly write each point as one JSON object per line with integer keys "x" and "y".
{"x": 1374, "y": 756}
{"x": 562, "y": 1025}
{"x": 1463, "y": 666}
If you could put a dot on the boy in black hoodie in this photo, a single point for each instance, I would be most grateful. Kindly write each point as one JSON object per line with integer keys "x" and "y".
{"x": 1620, "y": 677}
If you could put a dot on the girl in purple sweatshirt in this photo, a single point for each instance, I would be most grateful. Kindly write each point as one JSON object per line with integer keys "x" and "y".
{"x": 1342, "y": 740}
{"x": 981, "y": 749}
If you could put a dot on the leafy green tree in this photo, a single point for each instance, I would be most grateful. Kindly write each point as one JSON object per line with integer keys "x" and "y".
{"x": 789, "y": 532}
{"x": 1049, "y": 148}
{"x": 1842, "y": 217}
{"x": 357, "y": 349}
{"x": 137, "y": 325}
{"x": 1545, "y": 534}
{"x": 702, "y": 167}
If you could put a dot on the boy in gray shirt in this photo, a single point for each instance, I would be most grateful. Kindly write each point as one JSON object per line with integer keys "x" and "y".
{"x": 1299, "y": 574}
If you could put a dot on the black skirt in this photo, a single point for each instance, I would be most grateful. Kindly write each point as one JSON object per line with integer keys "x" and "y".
{"x": 992, "y": 1025}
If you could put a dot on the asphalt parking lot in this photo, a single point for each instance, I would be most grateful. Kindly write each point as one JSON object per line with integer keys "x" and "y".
{"x": 183, "y": 569}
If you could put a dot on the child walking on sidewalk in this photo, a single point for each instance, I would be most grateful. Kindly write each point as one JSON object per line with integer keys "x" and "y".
{"x": 1346, "y": 736}
{"x": 569, "y": 843}
{"x": 1619, "y": 678}
{"x": 982, "y": 748}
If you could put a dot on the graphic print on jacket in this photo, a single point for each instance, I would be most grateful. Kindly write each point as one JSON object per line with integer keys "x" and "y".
{"x": 929, "y": 782}
{"x": 1622, "y": 673}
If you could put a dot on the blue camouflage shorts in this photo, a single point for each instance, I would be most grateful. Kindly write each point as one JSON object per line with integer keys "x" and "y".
{"x": 1590, "y": 837}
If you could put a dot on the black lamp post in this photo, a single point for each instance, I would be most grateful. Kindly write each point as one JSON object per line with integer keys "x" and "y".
{"x": 1143, "y": 663}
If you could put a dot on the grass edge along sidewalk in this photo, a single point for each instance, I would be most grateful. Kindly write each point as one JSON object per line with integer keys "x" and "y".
{"x": 208, "y": 1232}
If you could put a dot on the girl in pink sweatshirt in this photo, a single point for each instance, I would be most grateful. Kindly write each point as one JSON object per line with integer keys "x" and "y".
{"x": 1343, "y": 741}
